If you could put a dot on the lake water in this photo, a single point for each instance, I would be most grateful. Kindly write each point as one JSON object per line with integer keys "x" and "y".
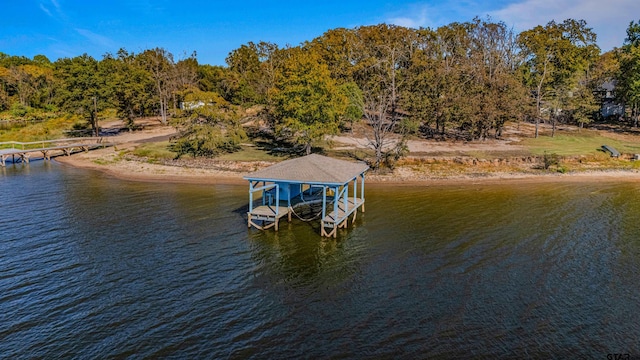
{"x": 95, "y": 267}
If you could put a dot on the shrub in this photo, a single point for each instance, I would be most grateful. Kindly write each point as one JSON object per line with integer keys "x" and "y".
{"x": 549, "y": 160}
{"x": 19, "y": 110}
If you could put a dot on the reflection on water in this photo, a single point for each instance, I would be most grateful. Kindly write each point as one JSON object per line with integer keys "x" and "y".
{"x": 97, "y": 267}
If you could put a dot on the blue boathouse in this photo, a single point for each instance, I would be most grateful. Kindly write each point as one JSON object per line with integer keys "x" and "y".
{"x": 337, "y": 184}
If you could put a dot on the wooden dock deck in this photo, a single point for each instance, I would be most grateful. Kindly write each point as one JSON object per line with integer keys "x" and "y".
{"x": 269, "y": 215}
{"x": 340, "y": 219}
{"x": 24, "y": 150}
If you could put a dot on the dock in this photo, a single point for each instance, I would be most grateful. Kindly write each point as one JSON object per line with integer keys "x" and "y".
{"x": 340, "y": 216}
{"x": 269, "y": 215}
{"x": 336, "y": 184}
{"x": 22, "y": 151}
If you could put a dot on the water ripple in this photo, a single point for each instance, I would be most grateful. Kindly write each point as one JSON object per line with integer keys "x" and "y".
{"x": 105, "y": 268}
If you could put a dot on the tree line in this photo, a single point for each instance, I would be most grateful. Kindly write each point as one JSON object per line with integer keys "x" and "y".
{"x": 461, "y": 80}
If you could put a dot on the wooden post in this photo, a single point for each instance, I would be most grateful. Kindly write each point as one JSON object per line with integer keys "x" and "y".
{"x": 362, "y": 192}
{"x": 324, "y": 202}
{"x": 335, "y": 212}
{"x": 277, "y": 202}
{"x": 324, "y": 211}
{"x": 355, "y": 189}
{"x": 345, "y": 196}
{"x": 250, "y": 196}
{"x": 335, "y": 204}
{"x": 250, "y": 204}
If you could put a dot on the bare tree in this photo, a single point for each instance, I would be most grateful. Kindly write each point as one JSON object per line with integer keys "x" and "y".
{"x": 159, "y": 63}
{"x": 385, "y": 49}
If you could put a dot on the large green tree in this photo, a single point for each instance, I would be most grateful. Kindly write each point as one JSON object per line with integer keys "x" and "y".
{"x": 628, "y": 88}
{"x": 339, "y": 49}
{"x": 83, "y": 88}
{"x": 215, "y": 79}
{"x": 208, "y": 130}
{"x": 307, "y": 103}
{"x": 557, "y": 56}
{"x": 130, "y": 86}
{"x": 254, "y": 68}
{"x": 244, "y": 63}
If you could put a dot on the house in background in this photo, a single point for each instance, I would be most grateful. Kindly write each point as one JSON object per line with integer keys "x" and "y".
{"x": 190, "y": 105}
{"x": 609, "y": 106}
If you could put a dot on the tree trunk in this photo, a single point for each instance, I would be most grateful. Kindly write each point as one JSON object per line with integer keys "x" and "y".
{"x": 539, "y": 95}
{"x": 163, "y": 111}
{"x": 376, "y": 165}
{"x": 94, "y": 117}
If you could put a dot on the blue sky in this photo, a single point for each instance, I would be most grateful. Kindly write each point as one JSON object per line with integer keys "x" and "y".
{"x": 68, "y": 28}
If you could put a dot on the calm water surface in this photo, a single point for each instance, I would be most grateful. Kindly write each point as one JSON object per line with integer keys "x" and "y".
{"x": 94, "y": 267}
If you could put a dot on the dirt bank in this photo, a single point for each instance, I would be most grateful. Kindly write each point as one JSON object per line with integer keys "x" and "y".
{"x": 415, "y": 170}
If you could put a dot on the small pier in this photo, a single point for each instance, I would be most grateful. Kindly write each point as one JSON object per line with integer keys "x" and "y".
{"x": 48, "y": 148}
{"x": 336, "y": 184}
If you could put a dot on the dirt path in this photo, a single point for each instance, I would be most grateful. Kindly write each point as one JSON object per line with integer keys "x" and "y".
{"x": 431, "y": 147}
{"x": 112, "y": 161}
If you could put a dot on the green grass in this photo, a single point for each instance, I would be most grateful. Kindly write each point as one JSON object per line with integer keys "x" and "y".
{"x": 583, "y": 143}
{"x": 155, "y": 151}
{"x": 251, "y": 153}
{"x": 46, "y": 130}
{"x": 160, "y": 150}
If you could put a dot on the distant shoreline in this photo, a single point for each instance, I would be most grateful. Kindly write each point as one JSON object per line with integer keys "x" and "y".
{"x": 414, "y": 172}
{"x": 144, "y": 172}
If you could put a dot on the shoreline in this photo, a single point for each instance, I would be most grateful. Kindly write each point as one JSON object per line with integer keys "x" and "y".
{"x": 132, "y": 170}
{"x": 112, "y": 162}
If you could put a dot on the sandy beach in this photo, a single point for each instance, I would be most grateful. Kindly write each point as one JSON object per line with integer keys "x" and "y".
{"x": 110, "y": 161}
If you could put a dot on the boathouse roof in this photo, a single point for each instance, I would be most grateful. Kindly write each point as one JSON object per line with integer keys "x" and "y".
{"x": 311, "y": 169}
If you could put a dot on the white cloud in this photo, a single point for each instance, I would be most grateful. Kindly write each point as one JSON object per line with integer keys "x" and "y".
{"x": 435, "y": 13}
{"x": 96, "y": 39}
{"x": 59, "y": 14}
{"x": 46, "y": 11}
{"x": 417, "y": 18}
{"x": 609, "y": 20}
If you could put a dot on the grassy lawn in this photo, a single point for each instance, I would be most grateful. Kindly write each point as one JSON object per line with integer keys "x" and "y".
{"x": 251, "y": 153}
{"x": 46, "y": 130}
{"x": 155, "y": 151}
{"x": 160, "y": 150}
{"x": 580, "y": 143}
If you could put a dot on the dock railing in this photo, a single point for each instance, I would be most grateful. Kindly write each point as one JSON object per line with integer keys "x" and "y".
{"x": 44, "y": 144}
{"x": 23, "y": 150}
